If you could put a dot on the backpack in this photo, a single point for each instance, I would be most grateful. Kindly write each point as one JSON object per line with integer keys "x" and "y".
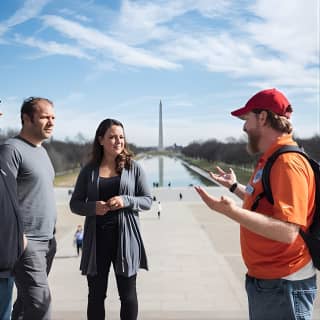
{"x": 312, "y": 235}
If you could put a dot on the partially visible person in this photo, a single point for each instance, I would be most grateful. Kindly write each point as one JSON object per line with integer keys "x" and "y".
{"x": 281, "y": 278}
{"x": 32, "y": 168}
{"x": 110, "y": 191}
{"x": 78, "y": 238}
{"x": 12, "y": 241}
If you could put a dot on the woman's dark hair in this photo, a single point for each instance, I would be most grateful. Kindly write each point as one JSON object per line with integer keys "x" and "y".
{"x": 29, "y": 105}
{"x": 123, "y": 160}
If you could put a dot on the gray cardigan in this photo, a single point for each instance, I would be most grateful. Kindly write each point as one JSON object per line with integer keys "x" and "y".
{"x": 136, "y": 196}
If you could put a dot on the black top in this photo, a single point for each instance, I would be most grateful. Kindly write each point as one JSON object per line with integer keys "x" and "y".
{"x": 108, "y": 188}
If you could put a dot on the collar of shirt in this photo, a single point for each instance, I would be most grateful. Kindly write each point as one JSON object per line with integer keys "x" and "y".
{"x": 281, "y": 141}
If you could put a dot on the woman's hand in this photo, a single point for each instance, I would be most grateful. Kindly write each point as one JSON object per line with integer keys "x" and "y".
{"x": 101, "y": 208}
{"x": 115, "y": 203}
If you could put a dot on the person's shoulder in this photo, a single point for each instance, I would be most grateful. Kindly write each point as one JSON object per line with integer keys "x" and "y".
{"x": 292, "y": 163}
{"x": 292, "y": 158}
{"x": 9, "y": 142}
{"x": 9, "y": 146}
{"x": 88, "y": 168}
{"x": 136, "y": 167}
{"x": 14, "y": 141}
{"x": 135, "y": 164}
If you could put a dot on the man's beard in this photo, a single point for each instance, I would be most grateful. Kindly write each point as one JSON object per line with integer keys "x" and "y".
{"x": 253, "y": 142}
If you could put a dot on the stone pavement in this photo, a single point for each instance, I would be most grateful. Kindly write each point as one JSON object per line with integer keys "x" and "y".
{"x": 196, "y": 271}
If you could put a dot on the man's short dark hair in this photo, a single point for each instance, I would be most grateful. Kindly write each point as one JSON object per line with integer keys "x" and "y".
{"x": 29, "y": 105}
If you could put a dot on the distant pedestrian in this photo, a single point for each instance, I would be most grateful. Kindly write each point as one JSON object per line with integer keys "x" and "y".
{"x": 180, "y": 196}
{"x": 78, "y": 238}
{"x": 159, "y": 209}
{"x": 169, "y": 184}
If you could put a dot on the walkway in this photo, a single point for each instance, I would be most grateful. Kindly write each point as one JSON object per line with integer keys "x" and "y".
{"x": 196, "y": 272}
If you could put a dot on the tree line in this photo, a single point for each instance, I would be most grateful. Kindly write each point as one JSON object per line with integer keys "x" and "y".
{"x": 232, "y": 152}
{"x": 235, "y": 152}
{"x": 68, "y": 155}
{"x": 65, "y": 155}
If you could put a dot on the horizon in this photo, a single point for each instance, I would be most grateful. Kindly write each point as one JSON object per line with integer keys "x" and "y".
{"x": 201, "y": 58}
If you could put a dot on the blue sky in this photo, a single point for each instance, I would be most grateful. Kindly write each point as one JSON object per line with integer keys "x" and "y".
{"x": 98, "y": 59}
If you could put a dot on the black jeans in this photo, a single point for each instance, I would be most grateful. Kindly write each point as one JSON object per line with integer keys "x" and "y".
{"x": 107, "y": 243}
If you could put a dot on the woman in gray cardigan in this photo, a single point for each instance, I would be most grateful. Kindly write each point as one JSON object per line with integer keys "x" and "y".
{"x": 110, "y": 191}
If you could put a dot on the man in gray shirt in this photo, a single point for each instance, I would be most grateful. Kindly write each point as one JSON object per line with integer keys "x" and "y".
{"x": 30, "y": 164}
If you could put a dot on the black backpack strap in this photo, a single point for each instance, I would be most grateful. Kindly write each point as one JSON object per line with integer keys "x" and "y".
{"x": 315, "y": 226}
{"x": 256, "y": 201}
{"x": 266, "y": 173}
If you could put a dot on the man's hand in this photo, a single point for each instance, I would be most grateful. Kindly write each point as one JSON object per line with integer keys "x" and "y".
{"x": 256, "y": 222}
{"x": 223, "y": 205}
{"x": 227, "y": 179}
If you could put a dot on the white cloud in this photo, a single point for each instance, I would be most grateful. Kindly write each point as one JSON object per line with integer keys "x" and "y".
{"x": 29, "y": 10}
{"x": 265, "y": 50}
{"x": 269, "y": 44}
{"x": 141, "y": 21}
{"x": 105, "y": 45}
{"x": 52, "y": 47}
{"x": 74, "y": 14}
{"x": 276, "y": 47}
{"x": 289, "y": 26}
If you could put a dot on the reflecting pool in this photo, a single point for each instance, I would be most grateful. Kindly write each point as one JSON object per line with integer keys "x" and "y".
{"x": 165, "y": 171}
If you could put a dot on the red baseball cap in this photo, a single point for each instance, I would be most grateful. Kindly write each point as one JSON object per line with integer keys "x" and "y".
{"x": 269, "y": 99}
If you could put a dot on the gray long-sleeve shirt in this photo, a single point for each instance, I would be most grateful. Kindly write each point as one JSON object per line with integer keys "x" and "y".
{"x": 136, "y": 196}
{"x": 34, "y": 172}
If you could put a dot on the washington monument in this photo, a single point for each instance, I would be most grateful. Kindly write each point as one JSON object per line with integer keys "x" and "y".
{"x": 160, "y": 146}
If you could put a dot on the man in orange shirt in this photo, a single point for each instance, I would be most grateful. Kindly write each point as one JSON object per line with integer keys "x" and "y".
{"x": 281, "y": 278}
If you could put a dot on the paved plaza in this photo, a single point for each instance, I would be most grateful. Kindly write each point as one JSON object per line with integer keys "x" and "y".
{"x": 196, "y": 271}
